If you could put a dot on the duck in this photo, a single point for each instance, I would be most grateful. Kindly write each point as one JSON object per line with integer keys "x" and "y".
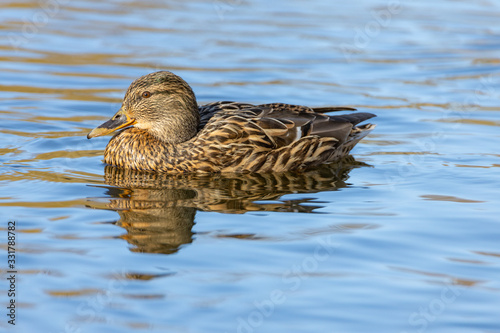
{"x": 161, "y": 128}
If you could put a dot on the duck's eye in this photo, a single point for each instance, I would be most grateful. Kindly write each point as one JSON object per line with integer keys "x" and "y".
{"x": 146, "y": 94}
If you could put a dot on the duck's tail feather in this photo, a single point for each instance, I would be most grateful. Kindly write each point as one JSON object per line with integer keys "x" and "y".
{"x": 327, "y": 109}
{"x": 353, "y": 118}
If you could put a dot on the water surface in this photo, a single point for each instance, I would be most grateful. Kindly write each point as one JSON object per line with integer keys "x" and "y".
{"x": 402, "y": 238}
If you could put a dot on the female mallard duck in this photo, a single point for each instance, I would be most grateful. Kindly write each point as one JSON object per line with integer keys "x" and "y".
{"x": 171, "y": 133}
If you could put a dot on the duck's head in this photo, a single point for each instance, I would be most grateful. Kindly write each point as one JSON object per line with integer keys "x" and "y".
{"x": 161, "y": 103}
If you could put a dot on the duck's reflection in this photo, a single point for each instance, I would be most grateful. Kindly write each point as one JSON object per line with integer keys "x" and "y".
{"x": 158, "y": 210}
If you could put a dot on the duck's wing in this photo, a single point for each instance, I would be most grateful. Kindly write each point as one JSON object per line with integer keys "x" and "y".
{"x": 275, "y": 125}
{"x": 274, "y": 137}
{"x": 304, "y": 121}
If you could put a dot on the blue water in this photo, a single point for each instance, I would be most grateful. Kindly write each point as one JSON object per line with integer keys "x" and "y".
{"x": 403, "y": 239}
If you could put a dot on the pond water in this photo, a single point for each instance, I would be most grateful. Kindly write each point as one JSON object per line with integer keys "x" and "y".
{"x": 404, "y": 237}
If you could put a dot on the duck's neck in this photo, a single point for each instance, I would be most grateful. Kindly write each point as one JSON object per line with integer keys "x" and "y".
{"x": 176, "y": 127}
{"x": 180, "y": 123}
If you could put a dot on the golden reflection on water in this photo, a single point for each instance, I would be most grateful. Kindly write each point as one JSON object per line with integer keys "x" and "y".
{"x": 452, "y": 279}
{"x": 158, "y": 210}
{"x": 448, "y": 198}
{"x": 92, "y": 95}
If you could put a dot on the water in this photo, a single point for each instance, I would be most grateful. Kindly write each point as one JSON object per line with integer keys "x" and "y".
{"x": 404, "y": 239}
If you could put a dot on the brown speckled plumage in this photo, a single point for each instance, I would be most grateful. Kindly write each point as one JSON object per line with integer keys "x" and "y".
{"x": 172, "y": 134}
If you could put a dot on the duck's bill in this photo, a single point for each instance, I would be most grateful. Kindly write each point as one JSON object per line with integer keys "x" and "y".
{"x": 118, "y": 121}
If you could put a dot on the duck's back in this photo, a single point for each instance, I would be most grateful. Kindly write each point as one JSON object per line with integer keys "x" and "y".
{"x": 238, "y": 137}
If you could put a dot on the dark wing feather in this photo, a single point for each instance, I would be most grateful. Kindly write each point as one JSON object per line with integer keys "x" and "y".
{"x": 339, "y": 127}
{"x": 328, "y": 127}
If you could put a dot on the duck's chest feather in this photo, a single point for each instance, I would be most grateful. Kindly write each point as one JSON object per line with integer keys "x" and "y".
{"x": 136, "y": 149}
